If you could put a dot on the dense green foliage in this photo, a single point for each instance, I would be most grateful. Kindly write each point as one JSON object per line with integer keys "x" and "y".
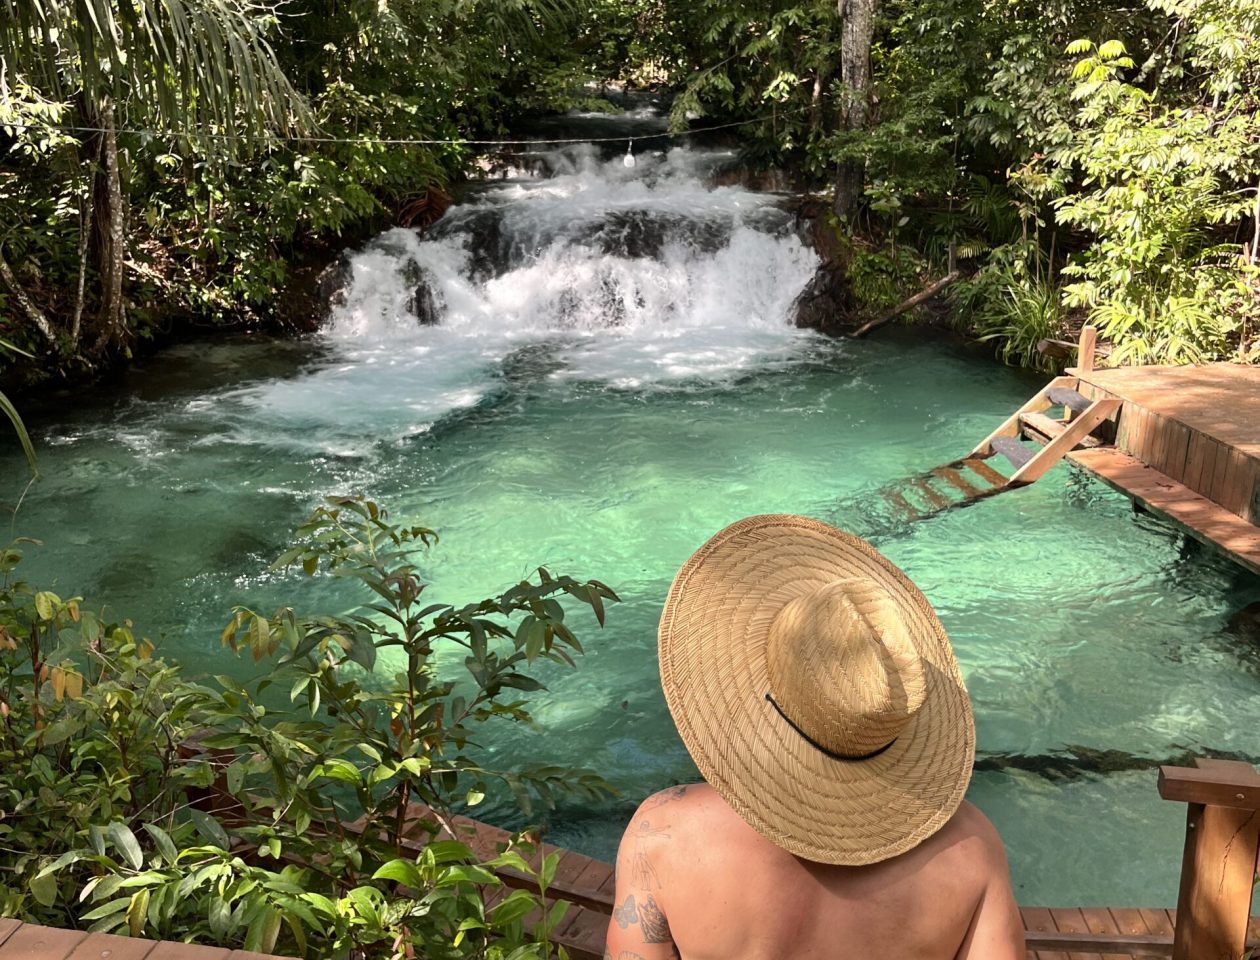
{"x": 278, "y": 815}
{"x": 1090, "y": 162}
{"x": 1081, "y": 160}
{"x": 215, "y": 205}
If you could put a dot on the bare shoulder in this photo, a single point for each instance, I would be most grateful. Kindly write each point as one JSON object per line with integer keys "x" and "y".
{"x": 970, "y": 836}
{"x": 668, "y": 815}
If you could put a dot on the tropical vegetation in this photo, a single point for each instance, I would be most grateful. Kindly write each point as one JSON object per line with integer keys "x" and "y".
{"x": 281, "y": 815}
{"x": 173, "y": 164}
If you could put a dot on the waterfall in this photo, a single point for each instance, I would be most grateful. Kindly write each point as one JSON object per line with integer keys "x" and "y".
{"x": 638, "y": 274}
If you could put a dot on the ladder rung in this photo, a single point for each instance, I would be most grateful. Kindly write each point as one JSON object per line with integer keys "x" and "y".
{"x": 1013, "y": 450}
{"x": 957, "y": 480}
{"x": 1067, "y": 397}
{"x": 936, "y": 500}
{"x": 984, "y": 471}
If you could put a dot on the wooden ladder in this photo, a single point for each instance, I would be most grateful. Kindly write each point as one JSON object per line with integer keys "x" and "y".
{"x": 972, "y": 478}
{"x": 1081, "y": 417}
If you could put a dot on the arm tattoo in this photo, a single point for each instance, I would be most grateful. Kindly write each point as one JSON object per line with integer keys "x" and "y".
{"x": 655, "y": 926}
{"x": 643, "y": 873}
{"x": 625, "y": 915}
{"x": 628, "y": 955}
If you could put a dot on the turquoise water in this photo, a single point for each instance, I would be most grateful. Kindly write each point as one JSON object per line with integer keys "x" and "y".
{"x": 1095, "y": 644}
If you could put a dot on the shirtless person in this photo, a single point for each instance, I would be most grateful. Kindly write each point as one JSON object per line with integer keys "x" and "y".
{"x": 819, "y": 697}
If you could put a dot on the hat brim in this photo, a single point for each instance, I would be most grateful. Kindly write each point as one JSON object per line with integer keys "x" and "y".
{"x": 712, "y": 646}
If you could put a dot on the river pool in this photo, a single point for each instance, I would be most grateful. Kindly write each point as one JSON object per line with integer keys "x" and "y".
{"x": 609, "y": 385}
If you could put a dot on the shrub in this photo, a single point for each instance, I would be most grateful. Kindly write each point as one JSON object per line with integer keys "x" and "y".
{"x": 137, "y": 801}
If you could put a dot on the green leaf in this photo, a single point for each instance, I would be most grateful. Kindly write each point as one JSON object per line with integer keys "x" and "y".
{"x": 24, "y": 438}
{"x": 137, "y": 911}
{"x": 46, "y": 604}
{"x": 515, "y": 906}
{"x": 127, "y": 844}
{"x": 162, "y": 840}
{"x": 44, "y": 889}
{"x": 402, "y": 871}
{"x": 210, "y": 829}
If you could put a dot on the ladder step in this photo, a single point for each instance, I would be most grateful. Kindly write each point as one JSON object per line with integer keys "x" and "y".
{"x": 935, "y": 500}
{"x": 957, "y": 480}
{"x": 984, "y": 471}
{"x": 1067, "y": 397}
{"x": 1013, "y": 450}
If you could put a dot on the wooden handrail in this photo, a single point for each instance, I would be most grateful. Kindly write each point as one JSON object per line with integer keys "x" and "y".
{"x": 1218, "y": 866}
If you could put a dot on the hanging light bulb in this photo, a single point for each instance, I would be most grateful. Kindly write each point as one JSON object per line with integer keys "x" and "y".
{"x": 628, "y": 159}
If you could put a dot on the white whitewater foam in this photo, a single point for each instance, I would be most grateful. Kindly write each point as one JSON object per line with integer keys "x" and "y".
{"x": 691, "y": 311}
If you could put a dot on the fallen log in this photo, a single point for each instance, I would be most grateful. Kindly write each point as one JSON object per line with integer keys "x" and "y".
{"x": 925, "y": 294}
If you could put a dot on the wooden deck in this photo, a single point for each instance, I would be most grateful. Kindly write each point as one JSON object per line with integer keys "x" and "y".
{"x": 25, "y": 941}
{"x": 1187, "y": 448}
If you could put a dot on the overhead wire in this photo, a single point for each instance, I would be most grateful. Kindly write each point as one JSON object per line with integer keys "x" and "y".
{"x": 375, "y": 141}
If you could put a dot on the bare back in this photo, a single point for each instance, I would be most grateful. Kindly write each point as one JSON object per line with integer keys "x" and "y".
{"x": 695, "y": 881}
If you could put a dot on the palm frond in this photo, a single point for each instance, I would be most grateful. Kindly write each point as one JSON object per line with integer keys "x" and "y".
{"x": 181, "y": 65}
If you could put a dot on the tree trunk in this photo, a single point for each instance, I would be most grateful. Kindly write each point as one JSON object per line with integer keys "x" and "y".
{"x": 110, "y": 239}
{"x": 857, "y": 32}
{"x": 91, "y": 154}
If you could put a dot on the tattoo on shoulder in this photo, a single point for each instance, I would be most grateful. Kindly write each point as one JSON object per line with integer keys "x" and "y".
{"x": 626, "y": 914}
{"x": 628, "y": 955}
{"x": 655, "y": 926}
{"x": 668, "y": 795}
{"x": 646, "y": 830}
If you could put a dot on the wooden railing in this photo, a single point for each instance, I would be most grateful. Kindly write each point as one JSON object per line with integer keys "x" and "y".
{"x": 1218, "y": 867}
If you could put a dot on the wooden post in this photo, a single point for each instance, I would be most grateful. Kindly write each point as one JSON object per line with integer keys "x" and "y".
{"x": 1218, "y": 867}
{"x": 1085, "y": 351}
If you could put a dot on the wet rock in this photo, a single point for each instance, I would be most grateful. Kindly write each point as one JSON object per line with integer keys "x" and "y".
{"x": 424, "y": 305}
{"x": 827, "y": 303}
{"x": 1245, "y": 623}
{"x": 644, "y": 234}
{"x": 331, "y": 284}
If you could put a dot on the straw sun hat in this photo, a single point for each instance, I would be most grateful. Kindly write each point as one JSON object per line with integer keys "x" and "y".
{"x": 816, "y": 690}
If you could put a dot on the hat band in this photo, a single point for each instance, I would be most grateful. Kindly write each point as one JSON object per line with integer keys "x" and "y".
{"x": 818, "y": 746}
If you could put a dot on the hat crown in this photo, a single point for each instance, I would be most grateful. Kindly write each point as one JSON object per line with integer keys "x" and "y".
{"x": 843, "y": 668}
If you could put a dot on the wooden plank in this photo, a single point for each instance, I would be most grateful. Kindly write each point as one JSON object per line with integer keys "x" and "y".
{"x": 1057, "y": 449}
{"x": 1129, "y": 920}
{"x": 584, "y": 937}
{"x": 1192, "y": 469}
{"x": 1201, "y": 518}
{"x": 1086, "y": 349}
{"x": 1223, "y": 783}
{"x": 934, "y": 499}
{"x": 1078, "y": 946}
{"x": 984, "y": 471}
{"x": 1217, "y": 489}
{"x": 189, "y": 951}
{"x": 1217, "y": 872}
{"x": 1233, "y": 496}
{"x": 7, "y": 927}
{"x": 1158, "y": 922}
{"x": 1102, "y": 924}
{"x": 103, "y": 946}
{"x": 901, "y": 505}
{"x": 1070, "y": 921}
{"x": 958, "y": 481}
{"x": 40, "y": 943}
{"x": 1037, "y": 920}
{"x": 1178, "y": 450}
{"x": 1010, "y": 426}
